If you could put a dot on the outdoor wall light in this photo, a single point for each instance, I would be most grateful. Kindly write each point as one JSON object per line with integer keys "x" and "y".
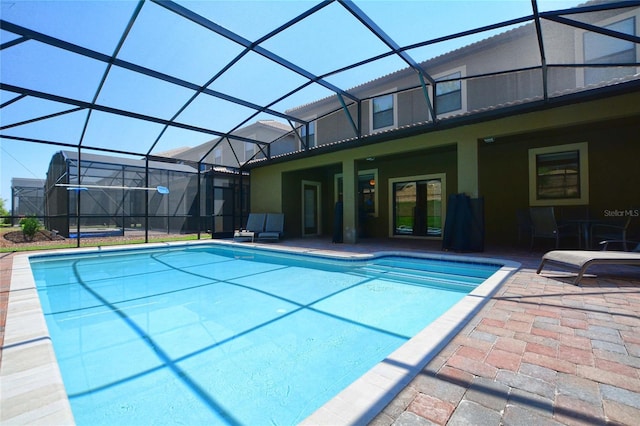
{"x": 489, "y": 139}
{"x": 370, "y": 158}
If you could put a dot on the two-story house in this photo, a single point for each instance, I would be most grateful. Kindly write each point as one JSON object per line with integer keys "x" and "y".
{"x": 534, "y": 116}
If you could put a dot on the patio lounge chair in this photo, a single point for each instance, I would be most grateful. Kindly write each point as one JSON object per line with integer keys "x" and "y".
{"x": 255, "y": 225}
{"x": 582, "y": 259}
{"x": 273, "y": 228}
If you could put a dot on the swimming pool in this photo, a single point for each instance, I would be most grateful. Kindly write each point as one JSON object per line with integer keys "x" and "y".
{"x": 183, "y": 320}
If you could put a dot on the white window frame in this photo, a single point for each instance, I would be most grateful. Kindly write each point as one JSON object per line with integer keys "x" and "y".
{"x": 395, "y": 113}
{"x": 217, "y": 156}
{"x": 443, "y": 204}
{"x": 579, "y": 41}
{"x": 583, "y": 149}
{"x": 313, "y": 122}
{"x": 318, "y": 186}
{"x": 248, "y": 146}
{"x": 463, "y": 90}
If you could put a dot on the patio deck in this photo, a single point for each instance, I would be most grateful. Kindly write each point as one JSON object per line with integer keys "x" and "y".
{"x": 541, "y": 351}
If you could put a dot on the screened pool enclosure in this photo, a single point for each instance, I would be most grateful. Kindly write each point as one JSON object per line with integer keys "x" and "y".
{"x": 27, "y": 197}
{"x": 116, "y": 96}
{"x": 111, "y": 201}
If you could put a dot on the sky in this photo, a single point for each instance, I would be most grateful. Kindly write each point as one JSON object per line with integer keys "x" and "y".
{"x": 160, "y": 40}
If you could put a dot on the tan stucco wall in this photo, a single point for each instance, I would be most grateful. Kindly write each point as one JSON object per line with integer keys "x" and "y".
{"x": 266, "y": 191}
{"x": 483, "y": 177}
{"x": 614, "y": 174}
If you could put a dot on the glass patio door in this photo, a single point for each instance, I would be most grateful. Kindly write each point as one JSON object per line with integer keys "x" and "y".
{"x": 311, "y": 208}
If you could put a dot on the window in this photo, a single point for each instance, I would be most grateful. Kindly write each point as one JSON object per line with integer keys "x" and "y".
{"x": 602, "y": 49}
{"x": 383, "y": 114}
{"x": 558, "y": 175}
{"x": 249, "y": 150}
{"x": 367, "y": 194}
{"x": 418, "y": 205}
{"x": 312, "y": 134}
{"x": 449, "y": 93}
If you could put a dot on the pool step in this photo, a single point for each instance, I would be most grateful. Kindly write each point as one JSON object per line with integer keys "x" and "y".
{"x": 421, "y": 277}
{"x": 465, "y": 269}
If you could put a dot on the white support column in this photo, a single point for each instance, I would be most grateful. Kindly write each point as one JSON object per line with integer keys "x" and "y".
{"x": 468, "y": 167}
{"x": 349, "y": 202}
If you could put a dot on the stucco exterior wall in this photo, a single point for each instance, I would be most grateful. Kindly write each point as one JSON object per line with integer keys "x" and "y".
{"x": 484, "y": 62}
{"x": 614, "y": 179}
{"x": 336, "y": 126}
{"x": 417, "y": 163}
{"x": 497, "y": 171}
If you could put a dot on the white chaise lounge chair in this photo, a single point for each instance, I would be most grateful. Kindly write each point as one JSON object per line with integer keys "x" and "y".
{"x": 582, "y": 259}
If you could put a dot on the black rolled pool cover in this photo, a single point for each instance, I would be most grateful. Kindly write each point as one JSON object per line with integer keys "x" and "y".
{"x": 464, "y": 227}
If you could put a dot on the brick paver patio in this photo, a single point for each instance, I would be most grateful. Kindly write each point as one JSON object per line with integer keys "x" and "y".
{"x": 540, "y": 352}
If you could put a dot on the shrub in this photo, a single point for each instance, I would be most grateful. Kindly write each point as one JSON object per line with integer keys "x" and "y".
{"x": 30, "y": 226}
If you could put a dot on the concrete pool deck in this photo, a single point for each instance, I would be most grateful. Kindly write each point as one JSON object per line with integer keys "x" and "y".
{"x": 540, "y": 351}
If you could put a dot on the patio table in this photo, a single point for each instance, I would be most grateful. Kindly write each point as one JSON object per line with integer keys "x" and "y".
{"x": 584, "y": 230}
{"x": 243, "y": 235}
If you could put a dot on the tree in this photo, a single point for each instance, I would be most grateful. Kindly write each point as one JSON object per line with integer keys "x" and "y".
{"x": 3, "y": 212}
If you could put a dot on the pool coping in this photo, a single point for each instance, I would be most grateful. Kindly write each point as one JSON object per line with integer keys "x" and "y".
{"x": 32, "y": 390}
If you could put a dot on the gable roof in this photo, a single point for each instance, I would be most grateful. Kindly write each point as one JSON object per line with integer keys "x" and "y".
{"x": 262, "y": 130}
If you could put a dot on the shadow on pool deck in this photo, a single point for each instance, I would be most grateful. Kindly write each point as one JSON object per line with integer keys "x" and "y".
{"x": 541, "y": 351}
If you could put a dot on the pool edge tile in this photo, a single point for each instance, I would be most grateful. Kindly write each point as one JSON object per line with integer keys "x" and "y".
{"x": 30, "y": 380}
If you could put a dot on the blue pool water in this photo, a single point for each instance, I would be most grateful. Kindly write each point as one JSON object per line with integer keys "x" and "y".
{"x": 220, "y": 335}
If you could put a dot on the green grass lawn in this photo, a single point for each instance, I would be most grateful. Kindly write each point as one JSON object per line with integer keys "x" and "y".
{"x": 86, "y": 242}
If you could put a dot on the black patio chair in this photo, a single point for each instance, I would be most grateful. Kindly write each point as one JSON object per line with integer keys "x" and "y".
{"x": 545, "y": 226}
{"x": 613, "y": 230}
